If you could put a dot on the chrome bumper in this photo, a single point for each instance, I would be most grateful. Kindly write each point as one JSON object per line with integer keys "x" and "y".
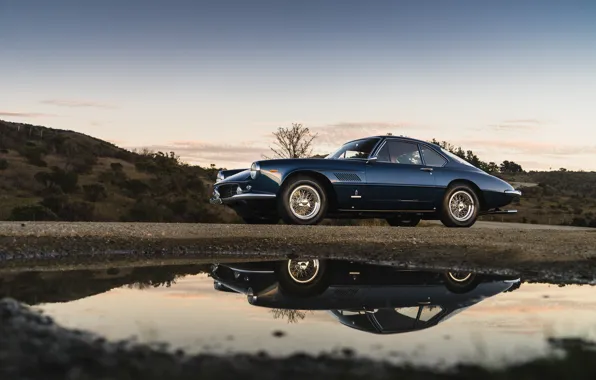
{"x": 217, "y": 200}
{"x": 513, "y": 192}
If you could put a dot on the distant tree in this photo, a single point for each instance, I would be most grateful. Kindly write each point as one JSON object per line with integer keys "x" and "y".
{"x": 510, "y": 167}
{"x": 492, "y": 167}
{"x": 3, "y": 164}
{"x": 293, "y": 142}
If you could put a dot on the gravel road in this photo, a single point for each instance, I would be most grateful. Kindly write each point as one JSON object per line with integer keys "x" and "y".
{"x": 484, "y": 246}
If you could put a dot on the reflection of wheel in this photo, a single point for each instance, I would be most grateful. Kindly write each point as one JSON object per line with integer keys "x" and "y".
{"x": 256, "y": 220}
{"x": 461, "y": 282}
{"x": 303, "y": 201}
{"x": 404, "y": 221}
{"x": 302, "y": 277}
{"x": 460, "y": 206}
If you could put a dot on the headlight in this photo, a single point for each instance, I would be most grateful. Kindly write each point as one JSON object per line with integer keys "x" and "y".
{"x": 255, "y": 169}
{"x": 220, "y": 176}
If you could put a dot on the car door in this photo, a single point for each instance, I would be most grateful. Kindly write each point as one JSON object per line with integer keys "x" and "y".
{"x": 399, "y": 180}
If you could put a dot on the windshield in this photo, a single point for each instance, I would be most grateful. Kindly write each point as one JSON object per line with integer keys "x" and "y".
{"x": 456, "y": 158}
{"x": 359, "y": 149}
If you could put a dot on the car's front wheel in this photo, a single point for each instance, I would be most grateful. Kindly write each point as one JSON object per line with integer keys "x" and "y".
{"x": 303, "y": 201}
{"x": 404, "y": 221}
{"x": 460, "y": 206}
{"x": 303, "y": 277}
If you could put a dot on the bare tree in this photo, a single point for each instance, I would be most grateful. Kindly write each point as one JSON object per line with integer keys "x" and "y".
{"x": 293, "y": 142}
{"x": 293, "y": 316}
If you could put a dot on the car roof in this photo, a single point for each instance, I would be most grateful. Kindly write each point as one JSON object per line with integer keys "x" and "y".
{"x": 396, "y": 137}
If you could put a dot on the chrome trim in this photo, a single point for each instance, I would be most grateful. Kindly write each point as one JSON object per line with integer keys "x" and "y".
{"x": 248, "y": 196}
{"x": 356, "y": 196}
{"x": 513, "y": 192}
{"x": 388, "y": 211}
{"x": 501, "y": 212}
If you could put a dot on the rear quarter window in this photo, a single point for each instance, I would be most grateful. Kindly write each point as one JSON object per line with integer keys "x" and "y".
{"x": 432, "y": 158}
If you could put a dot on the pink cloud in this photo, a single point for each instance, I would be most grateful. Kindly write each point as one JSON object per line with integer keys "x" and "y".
{"x": 77, "y": 104}
{"x": 528, "y": 147}
{"x": 336, "y": 134}
{"x": 204, "y": 153}
{"x": 25, "y": 114}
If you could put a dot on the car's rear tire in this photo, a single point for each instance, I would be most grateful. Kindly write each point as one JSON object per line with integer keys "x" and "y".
{"x": 404, "y": 221}
{"x": 460, "y": 206}
{"x": 461, "y": 282}
{"x": 302, "y": 201}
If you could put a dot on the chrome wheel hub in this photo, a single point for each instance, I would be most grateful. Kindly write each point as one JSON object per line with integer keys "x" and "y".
{"x": 462, "y": 206}
{"x": 303, "y": 271}
{"x": 305, "y": 202}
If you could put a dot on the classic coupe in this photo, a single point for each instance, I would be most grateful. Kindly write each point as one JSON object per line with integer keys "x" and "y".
{"x": 402, "y": 180}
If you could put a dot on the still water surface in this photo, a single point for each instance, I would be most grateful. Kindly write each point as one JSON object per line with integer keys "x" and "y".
{"x": 387, "y": 314}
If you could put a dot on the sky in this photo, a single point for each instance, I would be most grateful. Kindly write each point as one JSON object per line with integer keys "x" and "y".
{"x": 211, "y": 80}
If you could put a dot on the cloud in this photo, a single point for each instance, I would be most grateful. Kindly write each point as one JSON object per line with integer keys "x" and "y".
{"x": 335, "y": 134}
{"x": 77, "y": 104}
{"x": 528, "y": 147}
{"x": 517, "y": 124}
{"x": 25, "y": 114}
{"x": 204, "y": 153}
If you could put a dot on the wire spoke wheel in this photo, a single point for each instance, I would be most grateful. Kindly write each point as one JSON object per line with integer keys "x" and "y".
{"x": 459, "y": 276}
{"x": 305, "y": 202}
{"x": 303, "y": 271}
{"x": 462, "y": 206}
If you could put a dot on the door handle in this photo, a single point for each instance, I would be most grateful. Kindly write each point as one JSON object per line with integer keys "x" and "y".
{"x": 426, "y": 169}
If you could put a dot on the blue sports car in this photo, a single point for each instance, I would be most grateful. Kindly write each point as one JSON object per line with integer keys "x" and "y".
{"x": 402, "y": 180}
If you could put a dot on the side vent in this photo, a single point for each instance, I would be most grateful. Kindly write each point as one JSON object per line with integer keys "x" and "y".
{"x": 347, "y": 177}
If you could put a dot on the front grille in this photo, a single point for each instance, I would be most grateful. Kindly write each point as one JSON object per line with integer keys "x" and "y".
{"x": 347, "y": 177}
{"x": 226, "y": 191}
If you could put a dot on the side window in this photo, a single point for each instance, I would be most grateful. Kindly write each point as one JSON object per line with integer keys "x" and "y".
{"x": 383, "y": 155}
{"x": 404, "y": 153}
{"x": 431, "y": 157}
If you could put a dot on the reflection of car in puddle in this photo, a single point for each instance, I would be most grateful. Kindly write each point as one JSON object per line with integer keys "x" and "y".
{"x": 372, "y": 298}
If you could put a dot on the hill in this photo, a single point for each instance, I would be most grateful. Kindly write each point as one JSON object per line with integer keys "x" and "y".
{"x": 51, "y": 174}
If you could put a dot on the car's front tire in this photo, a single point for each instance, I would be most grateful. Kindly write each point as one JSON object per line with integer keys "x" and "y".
{"x": 460, "y": 206}
{"x": 303, "y": 201}
{"x": 404, "y": 221}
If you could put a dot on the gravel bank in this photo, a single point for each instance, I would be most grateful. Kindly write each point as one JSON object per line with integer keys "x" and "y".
{"x": 552, "y": 251}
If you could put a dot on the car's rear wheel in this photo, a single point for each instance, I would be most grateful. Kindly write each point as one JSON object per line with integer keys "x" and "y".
{"x": 461, "y": 282}
{"x": 404, "y": 221}
{"x": 460, "y": 206}
{"x": 303, "y": 201}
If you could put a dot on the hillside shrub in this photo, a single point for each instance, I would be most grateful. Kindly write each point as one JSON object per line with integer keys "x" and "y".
{"x": 35, "y": 212}
{"x": 3, "y": 164}
{"x": 95, "y": 192}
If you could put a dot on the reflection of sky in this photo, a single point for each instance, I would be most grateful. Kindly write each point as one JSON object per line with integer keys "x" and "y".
{"x": 212, "y": 79}
{"x": 191, "y": 314}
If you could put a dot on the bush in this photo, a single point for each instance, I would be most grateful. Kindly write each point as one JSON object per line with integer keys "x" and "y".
{"x": 32, "y": 213}
{"x": 116, "y": 166}
{"x": 95, "y": 192}
{"x": 3, "y": 164}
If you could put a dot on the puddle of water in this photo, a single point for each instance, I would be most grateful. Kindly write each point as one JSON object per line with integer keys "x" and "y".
{"x": 287, "y": 307}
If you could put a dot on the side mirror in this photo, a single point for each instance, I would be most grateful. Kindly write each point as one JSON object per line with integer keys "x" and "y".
{"x": 372, "y": 160}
